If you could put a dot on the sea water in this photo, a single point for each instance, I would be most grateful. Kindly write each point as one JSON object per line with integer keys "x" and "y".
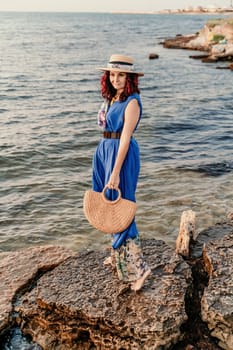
{"x": 49, "y": 99}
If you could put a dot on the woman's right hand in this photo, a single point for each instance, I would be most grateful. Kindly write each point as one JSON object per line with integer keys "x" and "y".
{"x": 114, "y": 181}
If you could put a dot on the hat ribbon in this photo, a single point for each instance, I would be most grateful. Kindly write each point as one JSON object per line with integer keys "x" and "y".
{"x": 128, "y": 67}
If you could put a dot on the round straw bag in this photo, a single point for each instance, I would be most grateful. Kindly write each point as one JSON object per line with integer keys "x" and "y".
{"x": 108, "y": 216}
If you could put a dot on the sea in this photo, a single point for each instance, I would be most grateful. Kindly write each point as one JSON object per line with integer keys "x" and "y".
{"x": 49, "y": 98}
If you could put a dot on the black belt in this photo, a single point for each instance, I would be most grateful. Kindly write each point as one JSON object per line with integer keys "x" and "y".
{"x": 111, "y": 135}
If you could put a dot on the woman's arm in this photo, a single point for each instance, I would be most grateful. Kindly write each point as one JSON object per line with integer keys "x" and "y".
{"x": 132, "y": 113}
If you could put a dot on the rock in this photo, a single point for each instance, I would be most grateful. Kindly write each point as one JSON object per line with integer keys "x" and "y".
{"x": 210, "y": 59}
{"x": 223, "y": 28}
{"x": 217, "y": 300}
{"x": 198, "y": 57}
{"x": 211, "y": 234}
{"x": 196, "y": 332}
{"x": 66, "y": 300}
{"x": 81, "y": 304}
{"x": 179, "y": 42}
{"x": 221, "y": 53}
{"x": 218, "y": 49}
{"x": 19, "y": 269}
{"x": 153, "y": 56}
{"x": 201, "y": 41}
{"x": 215, "y": 38}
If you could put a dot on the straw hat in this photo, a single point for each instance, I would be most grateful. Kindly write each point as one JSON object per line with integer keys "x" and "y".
{"x": 121, "y": 63}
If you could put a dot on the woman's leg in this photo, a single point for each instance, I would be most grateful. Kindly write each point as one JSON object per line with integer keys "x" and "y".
{"x": 130, "y": 264}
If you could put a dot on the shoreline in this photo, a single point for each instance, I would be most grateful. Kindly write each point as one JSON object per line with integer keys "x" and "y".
{"x": 187, "y": 11}
{"x": 127, "y": 12}
{"x": 198, "y": 11}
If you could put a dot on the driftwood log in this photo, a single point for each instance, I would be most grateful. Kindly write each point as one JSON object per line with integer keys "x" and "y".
{"x": 186, "y": 233}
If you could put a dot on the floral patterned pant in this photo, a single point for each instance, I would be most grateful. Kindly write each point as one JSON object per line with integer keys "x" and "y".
{"x": 128, "y": 260}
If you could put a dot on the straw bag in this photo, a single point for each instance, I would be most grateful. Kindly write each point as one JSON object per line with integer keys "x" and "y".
{"x": 108, "y": 216}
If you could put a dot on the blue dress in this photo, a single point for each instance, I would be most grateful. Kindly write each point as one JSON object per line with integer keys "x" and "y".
{"x": 104, "y": 160}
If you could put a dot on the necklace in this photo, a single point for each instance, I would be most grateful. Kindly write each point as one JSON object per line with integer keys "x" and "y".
{"x": 115, "y": 98}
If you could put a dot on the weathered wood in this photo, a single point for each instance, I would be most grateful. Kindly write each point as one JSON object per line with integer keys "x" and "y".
{"x": 187, "y": 231}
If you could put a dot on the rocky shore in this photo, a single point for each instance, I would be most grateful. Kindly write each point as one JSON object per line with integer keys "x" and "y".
{"x": 215, "y": 40}
{"x": 66, "y": 300}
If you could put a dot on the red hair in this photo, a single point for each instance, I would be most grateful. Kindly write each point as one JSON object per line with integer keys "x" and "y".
{"x": 108, "y": 91}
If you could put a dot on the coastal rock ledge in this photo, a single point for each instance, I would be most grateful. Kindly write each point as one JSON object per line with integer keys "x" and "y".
{"x": 215, "y": 39}
{"x": 67, "y": 301}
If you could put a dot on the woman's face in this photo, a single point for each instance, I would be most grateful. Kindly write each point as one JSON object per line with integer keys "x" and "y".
{"x": 118, "y": 80}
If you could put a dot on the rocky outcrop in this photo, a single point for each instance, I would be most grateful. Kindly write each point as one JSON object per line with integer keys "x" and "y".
{"x": 81, "y": 304}
{"x": 217, "y": 300}
{"x": 215, "y": 39}
{"x": 19, "y": 269}
{"x": 66, "y": 301}
{"x": 182, "y": 42}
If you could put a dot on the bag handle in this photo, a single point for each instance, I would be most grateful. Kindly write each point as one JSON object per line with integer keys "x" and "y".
{"x": 109, "y": 201}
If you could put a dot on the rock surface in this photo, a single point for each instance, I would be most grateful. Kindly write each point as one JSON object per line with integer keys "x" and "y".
{"x": 215, "y": 39}
{"x": 18, "y": 269}
{"x": 217, "y": 300}
{"x": 66, "y": 301}
{"x": 82, "y": 305}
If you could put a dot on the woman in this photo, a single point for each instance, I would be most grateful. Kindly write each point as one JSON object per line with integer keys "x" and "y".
{"x": 116, "y": 162}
